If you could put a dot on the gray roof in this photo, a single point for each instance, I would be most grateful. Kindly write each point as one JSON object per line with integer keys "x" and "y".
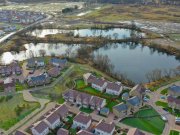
{"x": 174, "y": 88}
{"x": 126, "y": 95}
{"x": 38, "y": 78}
{"x": 99, "y": 81}
{"x": 40, "y": 60}
{"x": 56, "y": 60}
{"x": 121, "y": 107}
{"x": 40, "y": 127}
{"x": 20, "y": 132}
{"x": 134, "y": 100}
{"x": 62, "y": 131}
{"x": 105, "y": 110}
{"x": 53, "y": 118}
{"x": 82, "y": 118}
{"x": 31, "y": 61}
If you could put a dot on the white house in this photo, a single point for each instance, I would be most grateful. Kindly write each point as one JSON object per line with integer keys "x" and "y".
{"x": 82, "y": 120}
{"x": 113, "y": 88}
{"x": 99, "y": 84}
{"x": 104, "y": 128}
{"x": 97, "y": 103}
{"x": 53, "y": 120}
{"x": 40, "y": 128}
{"x": 40, "y": 62}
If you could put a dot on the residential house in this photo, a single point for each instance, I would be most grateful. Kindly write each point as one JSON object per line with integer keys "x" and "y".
{"x": 174, "y": 90}
{"x": 54, "y": 72}
{"x": 113, "y": 88}
{"x": 9, "y": 85}
{"x": 134, "y": 103}
{"x": 20, "y": 132}
{"x": 12, "y": 27}
{"x": 77, "y": 97}
{"x": 40, "y": 62}
{"x": 14, "y": 63}
{"x": 62, "y": 131}
{"x": 5, "y": 71}
{"x": 84, "y": 132}
{"x": 121, "y": 110}
{"x": 137, "y": 91}
{"x": 174, "y": 103}
{"x": 125, "y": 96}
{"x": 99, "y": 84}
{"x": 97, "y": 103}
{"x": 40, "y": 128}
{"x": 1, "y": 33}
{"x": 31, "y": 63}
{"x": 16, "y": 69}
{"x": 53, "y": 120}
{"x": 104, "y": 128}
{"x": 38, "y": 80}
{"x": 104, "y": 111}
{"x": 82, "y": 120}
{"x": 58, "y": 62}
{"x": 88, "y": 78}
{"x": 62, "y": 111}
{"x": 135, "y": 131}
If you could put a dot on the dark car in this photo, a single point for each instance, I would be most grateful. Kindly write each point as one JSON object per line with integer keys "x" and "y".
{"x": 118, "y": 131}
{"x": 115, "y": 117}
{"x": 165, "y": 109}
{"x": 126, "y": 129}
{"x": 77, "y": 105}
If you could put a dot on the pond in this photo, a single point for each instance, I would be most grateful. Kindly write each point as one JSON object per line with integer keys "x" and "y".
{"x": 136, "y": 60}
{"x": 122, "y": 33}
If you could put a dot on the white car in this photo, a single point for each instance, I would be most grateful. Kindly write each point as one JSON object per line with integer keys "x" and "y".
{"x": 164, "y": 118}
{"x": 146, "y": 99}
{"x": 148, "y": 91}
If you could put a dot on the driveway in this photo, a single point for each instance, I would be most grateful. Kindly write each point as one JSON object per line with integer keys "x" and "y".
{"x": 156, "y": 96}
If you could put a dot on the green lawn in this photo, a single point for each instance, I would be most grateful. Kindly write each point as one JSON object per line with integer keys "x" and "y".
{"x": 73, "y": 131}
{"x": 163, "y": 92}
{"x": 61, "y": 101}
{"x": 108, "y": 95}
{"x": 153, "y": 125}
{"x": 8, "y": 116}
{"x": 148, "y": 96}
{"x": 64, "y": 70}
{"x": 174, "y": 132}
{"x": 19, "y": 87}
{"x": 80, "y": 83}
{"x": 90, "y": 89}
{"x": 65, "y": 126}
{"x": 111, "y": 105}
{"x": 21, "y": 64}
{"x": 45, "y": 61}
{"x": 71, "y": 119}
{"x": 72, "y": 105}
{"x": 86, "y": 110}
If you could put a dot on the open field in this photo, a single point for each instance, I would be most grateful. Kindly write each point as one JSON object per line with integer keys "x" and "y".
{"x": 174, "y": 132}
{"x": 8, "y": 116}
{"x": 153, "y": 125}
{"x": 52, "y": 8}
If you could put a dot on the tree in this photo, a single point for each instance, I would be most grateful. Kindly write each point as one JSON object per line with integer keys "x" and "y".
{"x": 42, "y": 52}
{"x": 115, "y": 35}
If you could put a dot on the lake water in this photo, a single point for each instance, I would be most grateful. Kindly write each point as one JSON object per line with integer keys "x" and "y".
{"x": 137, "y": 60}
{"x": 133, "y": 59}
{"x": 88, "y": 32}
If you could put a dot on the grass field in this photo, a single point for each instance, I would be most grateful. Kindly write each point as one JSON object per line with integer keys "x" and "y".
{"x": 61, "y": 101}
{"x": 174, "y": 132}
{"x": 19, "y": 87}
{"x": 86, "y": 110}
{"x": 153, "y": 125}
{"x": 90, "y": 89}
{"x": 8, "y": 117}
{"x": 111, "y": 105}
{"x": 80, "y": 83}
{"x": 163, "y": 92}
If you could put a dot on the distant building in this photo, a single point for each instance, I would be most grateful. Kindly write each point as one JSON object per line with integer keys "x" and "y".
{"x": 99, "y": 84}
{"x": 174, "y": 90}
{"x": 58, "y": 62}
{"x": 88, "y": 78}
{"x": 174, "y": 103}
{"x": 54, "y": 72}
{"x": 9, "y": 85}
{"x": 62, "y": 131}
{"x": 134, "y": 103}
{"x": 40, "y": 62}
{"x": 121, "y": 110}
{"x": 40, "y": 128}
{"x": 53, "y": 120}
{"x": 31, "y": 63}
{"x": 137, "y": 91}
{"x": 113, "y": 88}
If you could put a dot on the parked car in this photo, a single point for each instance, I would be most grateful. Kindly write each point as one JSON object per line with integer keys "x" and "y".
{"x": 115, "y": 117}
{"x": 146, "y": 99}
{"x": 93, "y": 131}
{"x": 165, "y": 109}
{"x": 77, "y": 105}
{"x": 164, "y": 118}
{"x": 148, "y": 91}
{"x": 31, "y": 72}
{"x": 126, "y": 129}
{"x": 98, "y": 112}
{"x": 118, "y": 131}
{"x": 163, "y": 97}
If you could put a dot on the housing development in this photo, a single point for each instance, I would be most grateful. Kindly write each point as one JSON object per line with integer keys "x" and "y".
{"x": 89, "y": 67}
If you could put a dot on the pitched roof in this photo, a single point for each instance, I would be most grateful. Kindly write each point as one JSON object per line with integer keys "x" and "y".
{"x": 38, "y": 78}
{"x": 121, "y": 107}
{"x": 16, "y": 67}
{"x": 56, "y": 60}
{"x": 53, "y": 70}
{"x": 171, "y": 99}
{"x": 40, "y": 127}
{"x": 125, "y": 94}
{"x": 6, "y": 68}
{"x": 63, "y": 109}
{"x": 104, "y": 126}
{"x": 89, "y": 76}
{"x": 31, "y": 61}
{"x": 62, "y": 131}
{"x": 97, "y": 100}
{"x": 174, "y": 88}
{"x": 138, "y": 88}
{"x": 40, "y": 60}
{"x": 9, "y": 82}
{"x": 84, "y": 132}
{"x": 134, "y": 100}
{"x": 53, "y": 117}
{"x": 20, "y": 132}
{"x": 113, "y": 86}
{"x": 82, "y": 118}
{"x": 99, "y": 81}
{"x": 135, "y": 131}
{"x": 105, "y": 110}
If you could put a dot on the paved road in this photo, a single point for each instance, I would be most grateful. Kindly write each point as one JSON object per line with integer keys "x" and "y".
{"x": 13, "y": 33}
{"x": 156, "y": 96}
